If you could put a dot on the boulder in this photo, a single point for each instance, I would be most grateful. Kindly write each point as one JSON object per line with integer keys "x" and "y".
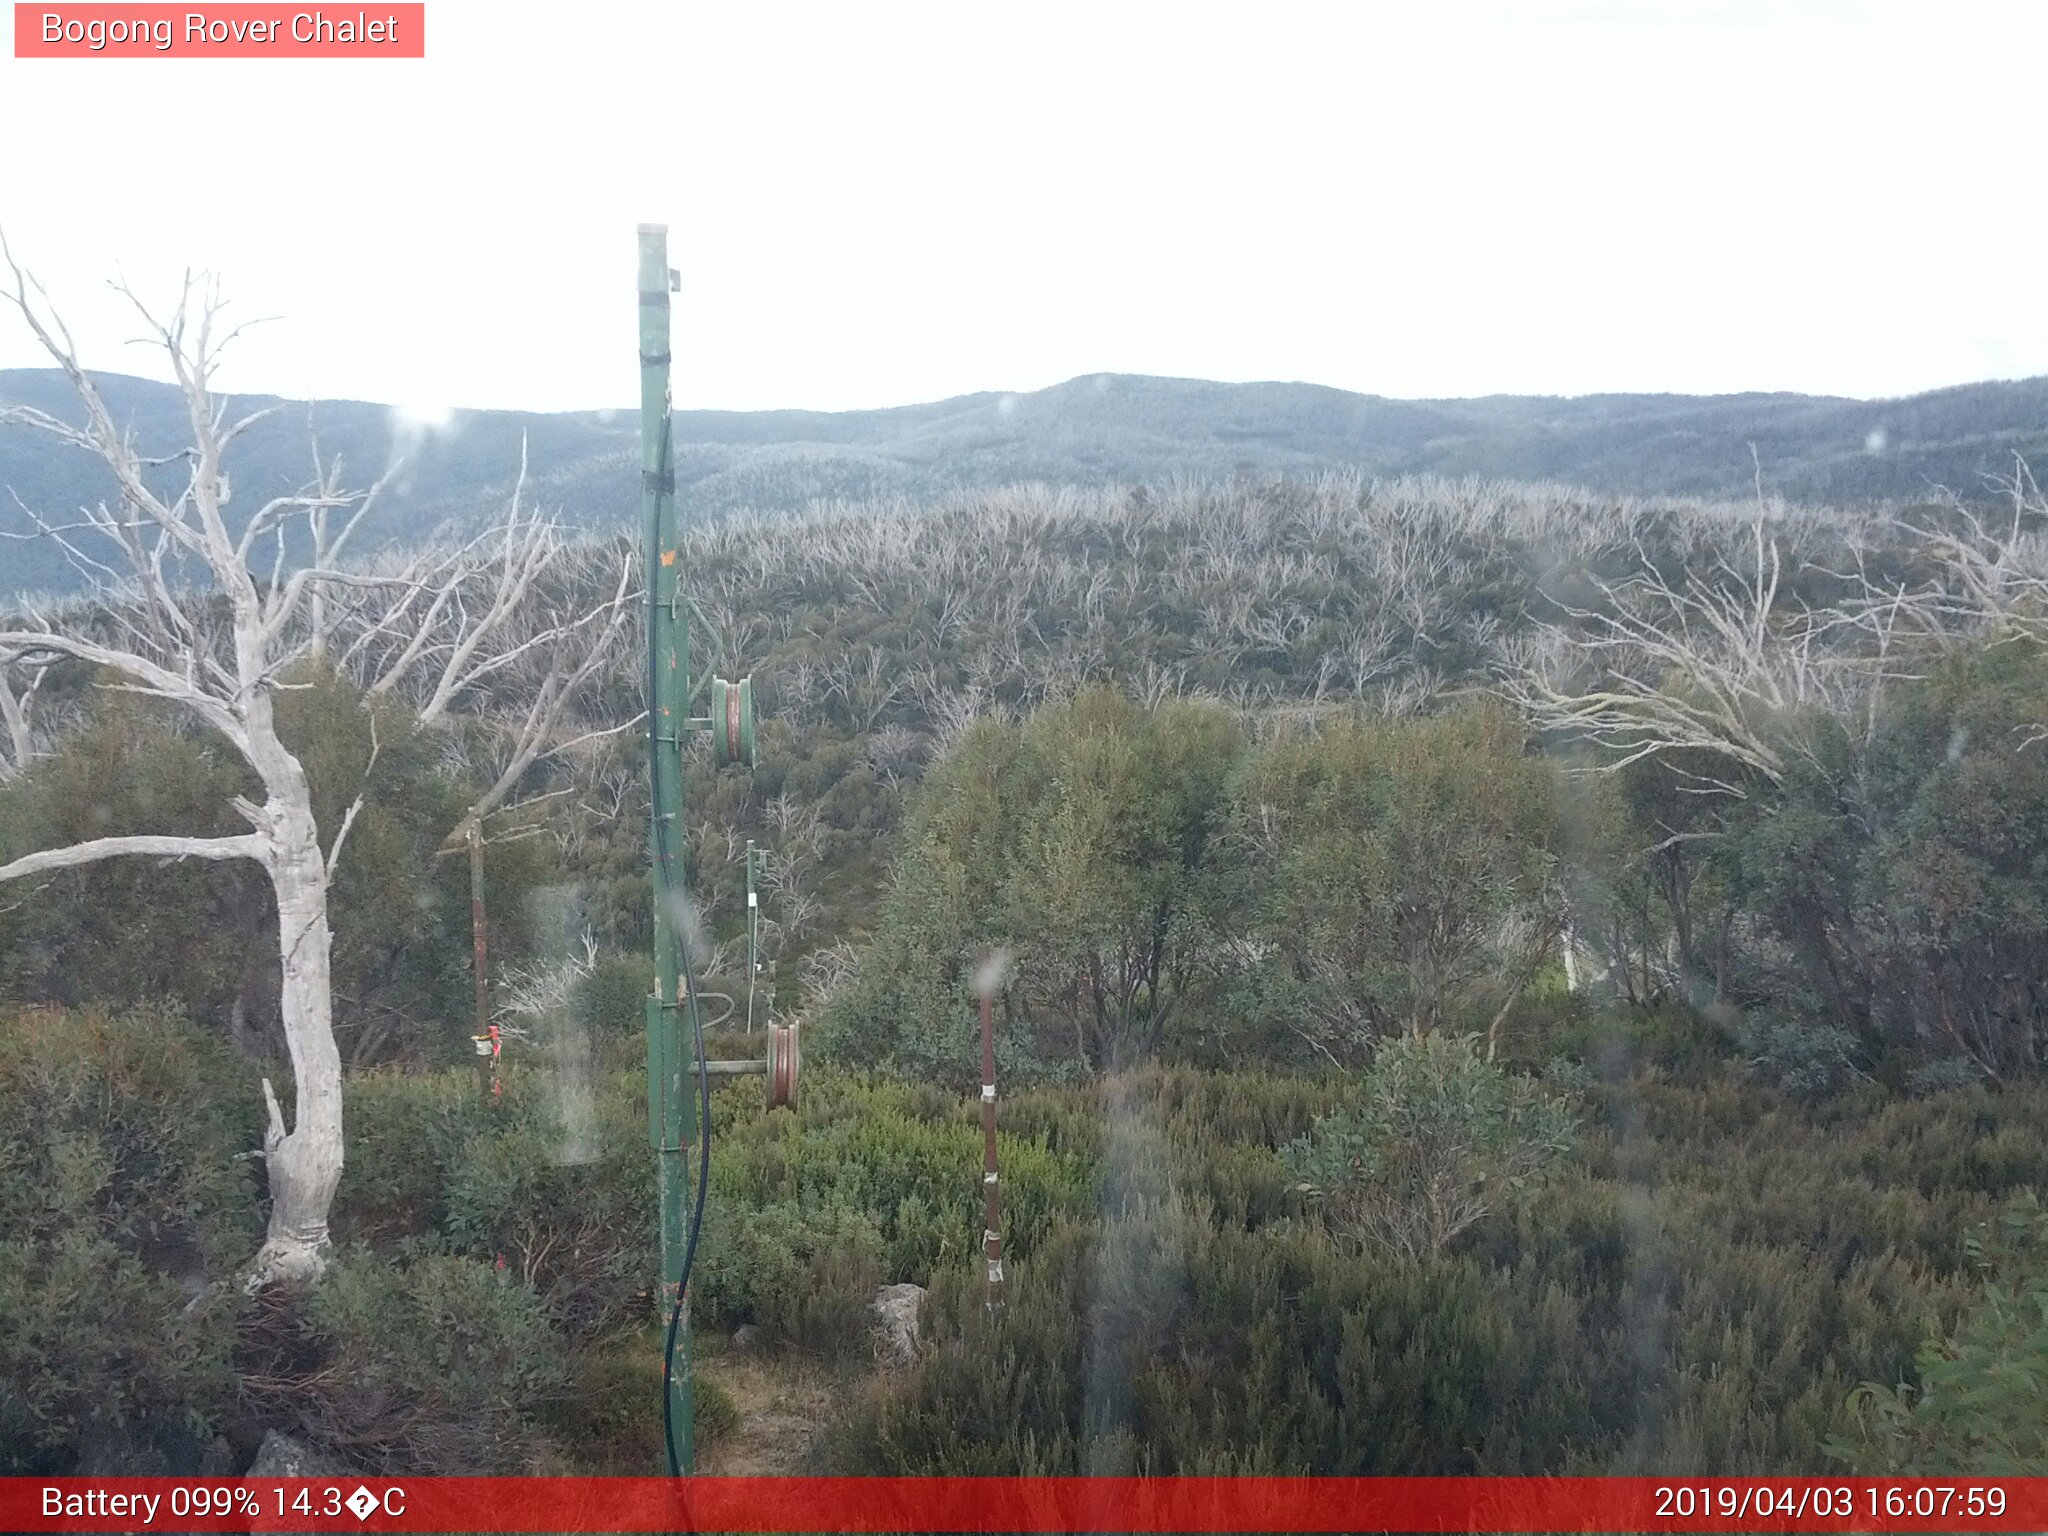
{"x": 899, "y": 1317}
{"x": 281, "y": 1456}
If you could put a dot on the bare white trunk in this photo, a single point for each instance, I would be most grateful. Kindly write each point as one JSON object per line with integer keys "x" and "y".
{"x": 305, "y": 1160}
{"x": 14, "y": 714}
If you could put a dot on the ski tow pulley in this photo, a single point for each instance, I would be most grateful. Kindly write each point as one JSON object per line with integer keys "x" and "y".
{"x": 732, "y": 721}
{"x": 782, "y": 1064}
{"x": 779, "y": 1066}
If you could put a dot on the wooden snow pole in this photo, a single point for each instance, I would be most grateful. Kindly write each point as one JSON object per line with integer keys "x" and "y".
{"x": 992, "y": 1200}
{"x": 486, "y": 1039}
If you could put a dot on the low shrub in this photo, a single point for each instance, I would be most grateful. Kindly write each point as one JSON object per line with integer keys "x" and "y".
{"x": 805, "y": 1271}
{"x": 126, "y": 1201}
{"x": 1980, "y": 1405}
{"x": 1800, "y": 1057}
{"x": 435, "y": 1365}
{"x": 553, "y": 1177}
{"x": 1439, "y": 1140}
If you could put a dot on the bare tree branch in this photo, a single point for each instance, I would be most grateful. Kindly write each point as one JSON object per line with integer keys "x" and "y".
{"x": 247, "y": 846}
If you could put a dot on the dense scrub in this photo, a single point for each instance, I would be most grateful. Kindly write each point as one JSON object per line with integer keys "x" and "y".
{"x": 1394, "y": 1078}
{"x": 122, "y": 1195}
{"x": 1708, "y": 1287}
{"x": 1164, "y": 885}
{"x": 1708, "y": 1282}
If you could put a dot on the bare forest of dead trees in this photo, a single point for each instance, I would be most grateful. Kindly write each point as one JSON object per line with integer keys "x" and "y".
{"x": 1684, "y": 633}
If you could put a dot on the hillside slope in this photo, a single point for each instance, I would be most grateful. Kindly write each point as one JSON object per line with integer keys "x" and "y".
{"x": 1096, "y": 430}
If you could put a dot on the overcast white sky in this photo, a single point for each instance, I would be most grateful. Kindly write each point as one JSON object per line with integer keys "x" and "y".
{"x": 876, "y": 203}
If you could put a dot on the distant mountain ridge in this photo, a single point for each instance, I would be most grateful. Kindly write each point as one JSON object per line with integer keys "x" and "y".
{"x": 1097, "y": 429}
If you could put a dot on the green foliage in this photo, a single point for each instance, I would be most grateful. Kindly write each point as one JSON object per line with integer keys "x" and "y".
{"x": 1164, "y": 1343}
{"x": 803, "y": 1272}
{"x": 1729, "y": 1253}
{"x": 1084, "y": 842}
{"x": 1980, "y": 1407}
{"x": 612, "y": 999}
{"x": 1904, "y": 873}
{"x": 1378, "y": 877}
{"x": 1802, "y": 1059}
{"x": 128, "y": 930}
{"x": 1399, "y": 875}
{"x": 1957, "y": 878}
{"x": 556, "y": 1182}
{"x": 1699, "y": 1290}
{"x": 608, "y": 1418}
{"x": 438, "y": 1364}
{"x": 123, "y": 1201}
{"x": 1439, "y": 1140}
{"x": 867, "y": 1181}
{"x": 1883, "y": 898}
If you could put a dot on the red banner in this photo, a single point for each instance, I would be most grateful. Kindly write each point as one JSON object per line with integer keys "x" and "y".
{"x": 1024, "y": 1504}
{"x": 225, "y": 31}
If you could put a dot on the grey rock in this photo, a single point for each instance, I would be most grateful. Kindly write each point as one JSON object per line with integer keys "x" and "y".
{"x": 281, "y": 1456}
{"x": 899, "y": 1322}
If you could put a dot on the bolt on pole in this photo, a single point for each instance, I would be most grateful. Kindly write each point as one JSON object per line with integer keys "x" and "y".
{"x": 671, "y": 1110}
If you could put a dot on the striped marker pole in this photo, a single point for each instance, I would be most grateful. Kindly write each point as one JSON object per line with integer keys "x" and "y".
{"x": 992, "y": 1200}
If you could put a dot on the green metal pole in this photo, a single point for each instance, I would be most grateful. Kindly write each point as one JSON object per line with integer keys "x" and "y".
{"x": 671, "y": 1109}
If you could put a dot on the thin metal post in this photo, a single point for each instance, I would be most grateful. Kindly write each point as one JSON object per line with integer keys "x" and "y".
{"x": 992, "y": 1202}
{"x": 671, "y": 1110}
{"x": 487, "y": 1038}
{"x": 753, "y": 935}
{"x": 478, "y": 961}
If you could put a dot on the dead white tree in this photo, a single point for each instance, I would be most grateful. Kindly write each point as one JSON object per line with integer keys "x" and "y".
{"x": 511, "y": 628}
{"x": 219, "y": 651}
{"x": 17, "y": 715}
{"x": 187, "y": 608}
{"x": 1697, "y": 668}
{"x": 1990, "y": 576}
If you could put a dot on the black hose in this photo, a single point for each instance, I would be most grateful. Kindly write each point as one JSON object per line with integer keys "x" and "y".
{"x": 668, "y": 915}
{"x": 675, "y": 1316}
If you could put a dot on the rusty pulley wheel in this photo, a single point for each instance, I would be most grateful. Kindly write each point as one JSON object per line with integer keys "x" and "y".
{"x": 783, "y": 1058}
{"x": 732, "y": 721}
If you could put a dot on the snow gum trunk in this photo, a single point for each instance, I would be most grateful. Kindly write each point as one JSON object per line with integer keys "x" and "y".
{"x": 305, "y": 1161}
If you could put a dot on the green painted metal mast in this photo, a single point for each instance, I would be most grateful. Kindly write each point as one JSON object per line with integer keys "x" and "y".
{"x": 671, "y": 1106}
